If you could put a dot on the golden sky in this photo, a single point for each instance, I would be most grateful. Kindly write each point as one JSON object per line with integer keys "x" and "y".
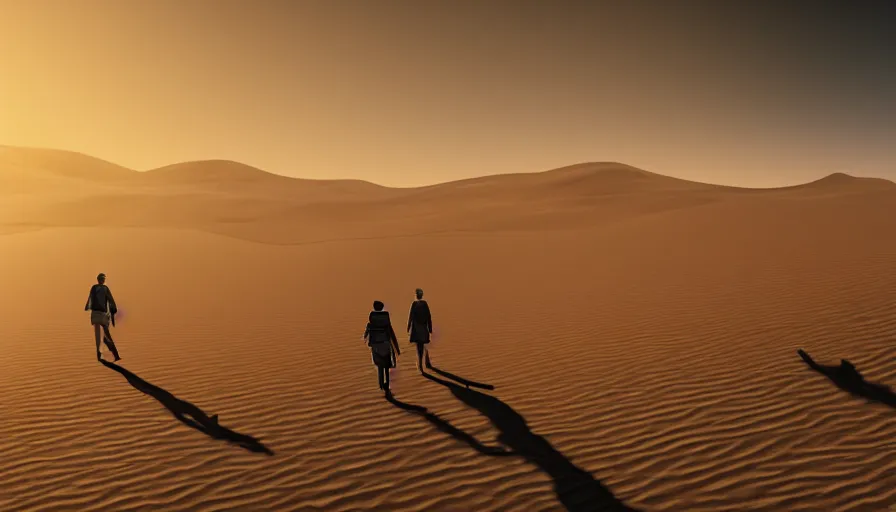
{"x": 406, "y": 93}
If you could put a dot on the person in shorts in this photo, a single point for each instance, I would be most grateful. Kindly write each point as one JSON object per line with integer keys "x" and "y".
{"x": 102, "y": 309}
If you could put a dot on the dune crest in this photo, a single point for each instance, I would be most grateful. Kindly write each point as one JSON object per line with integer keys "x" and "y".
{"x": 208, "y": 171}
{"x": 222, "y": 172}
{"x": 242, "y": 201}
{"x": 839, "y": 181}
{"x": 61, "y": 163}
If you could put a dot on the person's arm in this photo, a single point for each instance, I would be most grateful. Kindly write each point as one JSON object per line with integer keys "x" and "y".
{"x": 113, "y": 308}
{"x": 367, "y": 331}
{"x": 394, "y": 340}
{"x": 392, "y": 334}
{"x": 392, "y": 337}
{"x": 411, "y": 316}
{"x": 89, "y": 297}
{"x": 429, "y": 318}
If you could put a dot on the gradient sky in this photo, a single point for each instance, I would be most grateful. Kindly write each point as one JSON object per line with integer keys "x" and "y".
{"x": 402, "y": 93}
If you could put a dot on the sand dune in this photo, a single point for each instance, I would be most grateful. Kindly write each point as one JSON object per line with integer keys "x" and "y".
{"x": 61, "y": 163}
{"x": 629, "y": 341}
{"x": 245, "y": 202}
{"x": 236, "y": 178}
{"x": 212, "y": 172}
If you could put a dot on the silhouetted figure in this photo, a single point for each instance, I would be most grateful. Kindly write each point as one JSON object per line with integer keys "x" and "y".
{"x": 847, "y": 377}
{"x": 190, "y": 415}
{"x": 382, "y": 342}
{"x": 576, "y": 488}
{"x": 102, "y": 311}
{"x": 420, "y": 328}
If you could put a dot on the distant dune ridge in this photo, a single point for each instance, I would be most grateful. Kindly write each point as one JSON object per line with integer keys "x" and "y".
{"x": 605, "y": 338}
{"x": 235, "y": 199}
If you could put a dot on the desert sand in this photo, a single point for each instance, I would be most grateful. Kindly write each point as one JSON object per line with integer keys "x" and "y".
{"x": 639, "y": 332}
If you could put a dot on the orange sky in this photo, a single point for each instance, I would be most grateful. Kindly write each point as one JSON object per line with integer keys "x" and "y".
{"x": 406, "y": 93}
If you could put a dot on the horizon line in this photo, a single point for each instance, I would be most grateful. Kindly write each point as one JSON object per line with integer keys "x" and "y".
{"x": 434, "y": 184}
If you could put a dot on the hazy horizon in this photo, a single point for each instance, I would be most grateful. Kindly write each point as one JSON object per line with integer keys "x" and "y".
{"x": 403, "y": 94}
{"x": 423, "y": 185}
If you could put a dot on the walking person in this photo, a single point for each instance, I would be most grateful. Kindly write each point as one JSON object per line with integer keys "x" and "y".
{"x": 420, "y": 328}
{"x": 382, "y": 342}
{"x": 102, "y": 309}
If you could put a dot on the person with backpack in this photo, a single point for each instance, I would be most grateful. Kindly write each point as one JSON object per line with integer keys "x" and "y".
{"x": 382, "y": 342}
{"x": 420, "y": 328}
{"x": 102, "y": 309}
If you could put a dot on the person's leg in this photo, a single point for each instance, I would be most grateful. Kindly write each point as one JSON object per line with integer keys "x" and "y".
{"x": 426, "y": 358}
{"x": 420, "y": 356}
{"x": 107, "y": 339}
{"x": 380, "y": 377}
{"x": 96, "y": 333}
{"x": 386, "y": 373}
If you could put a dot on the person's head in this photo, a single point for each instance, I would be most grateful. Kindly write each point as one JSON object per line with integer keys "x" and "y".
{"x": 378, "y": 306}
{"x": 419, "y": 293}
{"x": 101, "y": 278}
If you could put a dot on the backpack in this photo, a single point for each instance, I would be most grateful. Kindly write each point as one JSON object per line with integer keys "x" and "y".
{"x": 97, "y": 299}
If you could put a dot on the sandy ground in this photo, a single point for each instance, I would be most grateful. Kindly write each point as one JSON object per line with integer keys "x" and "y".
{"x": 639, "y": 335}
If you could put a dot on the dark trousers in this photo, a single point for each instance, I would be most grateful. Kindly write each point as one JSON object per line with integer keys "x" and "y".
{"x": 383, "y": 375}
{"x": 421, "y": 347}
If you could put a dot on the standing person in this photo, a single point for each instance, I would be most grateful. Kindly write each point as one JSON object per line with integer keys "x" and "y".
{"x": 102, "y": 311}
{"x": 420, "y": 328}
{"x": 382, "y": 342}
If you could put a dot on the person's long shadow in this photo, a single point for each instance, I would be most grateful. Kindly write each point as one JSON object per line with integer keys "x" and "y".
{"x": 576, "y": 488}
{"x": 191, "y": 415}
{"x": 847, "y": 377}
{"x": 465, "y": 382}
{"x": 446, "y": 427}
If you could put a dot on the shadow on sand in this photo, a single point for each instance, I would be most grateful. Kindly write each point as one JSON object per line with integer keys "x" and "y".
{"x": 190, "y": 415}
{"x": 576, "y": 489}
{"x": 461, "y": 380}
{"x": 847, "y": 377}
{"x": 446, "y": 427}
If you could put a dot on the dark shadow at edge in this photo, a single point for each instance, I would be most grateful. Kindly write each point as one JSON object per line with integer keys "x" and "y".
{"x": 189, "y": 414}
{"x": 847, "y": 378}
{"x": 576, "y": 488}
